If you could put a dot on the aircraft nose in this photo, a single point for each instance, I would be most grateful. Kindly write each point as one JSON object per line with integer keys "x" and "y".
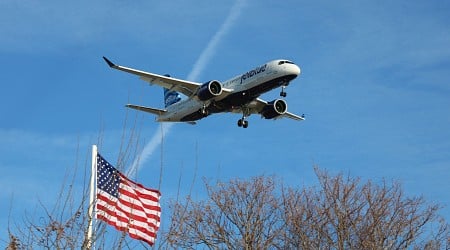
{"x": 292, "y": 69}
{"x": 296, "y": 69}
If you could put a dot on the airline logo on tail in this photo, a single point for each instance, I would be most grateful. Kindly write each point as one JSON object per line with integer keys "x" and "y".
{"x": 171, "y": 97}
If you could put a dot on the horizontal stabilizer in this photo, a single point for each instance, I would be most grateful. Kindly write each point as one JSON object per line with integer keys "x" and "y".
{"x": 154, "y": 111}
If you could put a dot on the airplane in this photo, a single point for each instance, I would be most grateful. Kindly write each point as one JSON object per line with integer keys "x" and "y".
{"x": 240, "y": 94}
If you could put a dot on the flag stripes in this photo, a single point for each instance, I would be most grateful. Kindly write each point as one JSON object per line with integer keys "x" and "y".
{"x": 127, "y": 205}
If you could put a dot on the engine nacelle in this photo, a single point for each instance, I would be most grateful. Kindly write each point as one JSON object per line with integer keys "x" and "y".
{"x": 209, "y": 90}
{"x": 274, "y": 108}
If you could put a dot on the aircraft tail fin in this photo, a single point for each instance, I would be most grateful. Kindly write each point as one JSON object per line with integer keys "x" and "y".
{"x": 170, "y": 97}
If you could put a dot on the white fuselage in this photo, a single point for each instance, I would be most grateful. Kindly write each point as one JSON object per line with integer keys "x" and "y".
{"x": 245, "y": 87}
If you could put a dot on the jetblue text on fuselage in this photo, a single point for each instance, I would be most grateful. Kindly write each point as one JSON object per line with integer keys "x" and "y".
{"x": 253, "y": 72}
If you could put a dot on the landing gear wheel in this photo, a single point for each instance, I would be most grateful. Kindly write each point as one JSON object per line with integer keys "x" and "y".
{"x": 240, "y": 123}
{"x": 245, "y": 113}
{"x": 245, "y": 124}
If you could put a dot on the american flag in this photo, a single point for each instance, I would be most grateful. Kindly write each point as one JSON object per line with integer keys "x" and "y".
{"x": 126, "y": 205}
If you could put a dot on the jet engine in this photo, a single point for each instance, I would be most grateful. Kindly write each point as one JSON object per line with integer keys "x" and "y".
{"x": 209, "y": 90}
{"x": 274, "y": 109}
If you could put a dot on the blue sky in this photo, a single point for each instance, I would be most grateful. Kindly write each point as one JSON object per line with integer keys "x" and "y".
{"x": 374, "y": 88}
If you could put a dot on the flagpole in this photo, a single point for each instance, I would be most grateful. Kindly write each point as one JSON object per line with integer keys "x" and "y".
{"x": 91, "y": 197}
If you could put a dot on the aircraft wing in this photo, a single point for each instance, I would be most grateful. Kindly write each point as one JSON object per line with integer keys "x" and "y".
{"x": 187, "y": 88}
{"x": 258, "y": 104}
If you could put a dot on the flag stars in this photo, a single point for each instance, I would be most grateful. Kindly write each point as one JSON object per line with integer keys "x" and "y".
{"x": 108, "y": 178}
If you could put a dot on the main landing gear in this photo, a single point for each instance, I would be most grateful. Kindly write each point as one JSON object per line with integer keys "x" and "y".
{"x": 204, "y": 111}
{"x": 243, "y": 121}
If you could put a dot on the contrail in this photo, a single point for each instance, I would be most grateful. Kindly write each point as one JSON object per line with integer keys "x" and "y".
{"x": 210, "y": 49}
{"x": 197, "y": 69}
{"x": 149, "y": 148}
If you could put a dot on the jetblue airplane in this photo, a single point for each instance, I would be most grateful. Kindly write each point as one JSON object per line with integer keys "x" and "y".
{"x": 240, "y": 94}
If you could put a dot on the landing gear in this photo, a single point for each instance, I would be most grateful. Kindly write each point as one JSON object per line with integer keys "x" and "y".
{"x": 204, "y": 111}
{"x": 283, "y": 92}
{"x": 242, "y": 123}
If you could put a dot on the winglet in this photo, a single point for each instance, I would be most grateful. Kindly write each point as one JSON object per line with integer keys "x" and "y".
{"x": 109, "y": 62}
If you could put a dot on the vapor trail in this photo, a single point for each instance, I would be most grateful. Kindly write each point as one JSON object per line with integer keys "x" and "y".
{"x": 197, "y": 69}
{"x": 210, "y": 49}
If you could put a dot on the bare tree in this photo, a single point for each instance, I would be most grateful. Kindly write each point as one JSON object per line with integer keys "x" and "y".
{"x": 343, "y": 213}
{"x": 340, "y": 213}
{"x": 238, "y": 215}
{"x": 64, "y": 226}
{"x": 61, "y": 227}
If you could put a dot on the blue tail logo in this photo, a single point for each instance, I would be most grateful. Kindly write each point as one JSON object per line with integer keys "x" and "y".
{"x": 171, "y": 97}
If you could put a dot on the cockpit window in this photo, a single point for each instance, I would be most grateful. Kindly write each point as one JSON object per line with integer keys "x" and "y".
{"x": 283, "y": 62}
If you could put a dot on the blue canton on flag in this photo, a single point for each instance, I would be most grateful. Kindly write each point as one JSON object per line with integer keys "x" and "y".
{"x": 108, "y": 178}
